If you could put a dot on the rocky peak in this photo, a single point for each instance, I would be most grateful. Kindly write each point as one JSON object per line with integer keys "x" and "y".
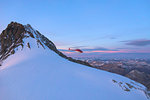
{"x": 15, "y": 35}
{"x": 11, "y": 35}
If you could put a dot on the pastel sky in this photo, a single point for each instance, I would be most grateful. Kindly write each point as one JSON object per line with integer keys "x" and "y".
{"x": 102, "y": 26}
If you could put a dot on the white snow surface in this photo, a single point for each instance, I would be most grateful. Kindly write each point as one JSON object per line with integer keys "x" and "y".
{"x": 40, "y": 74}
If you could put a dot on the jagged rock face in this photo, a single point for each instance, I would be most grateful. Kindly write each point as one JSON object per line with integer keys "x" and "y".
{"x": 13, "y": 36}
{"x": 10, "y": 38}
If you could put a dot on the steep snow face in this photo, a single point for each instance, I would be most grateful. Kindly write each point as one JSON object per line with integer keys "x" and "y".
{"x": 38, "y": 73}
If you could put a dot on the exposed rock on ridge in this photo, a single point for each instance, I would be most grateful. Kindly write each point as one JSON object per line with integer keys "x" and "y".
{"x": 11, "y": 38}
{"x": 15, "y": 34}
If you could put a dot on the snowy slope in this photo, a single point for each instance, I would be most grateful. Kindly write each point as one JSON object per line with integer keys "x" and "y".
{"x": 39, "y": 73}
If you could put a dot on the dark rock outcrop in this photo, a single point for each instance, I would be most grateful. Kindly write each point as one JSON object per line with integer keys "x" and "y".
{"x": 10, "y": 38}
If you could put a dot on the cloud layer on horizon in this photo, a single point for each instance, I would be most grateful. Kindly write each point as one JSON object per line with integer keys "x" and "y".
{"x": 142, "y": 42}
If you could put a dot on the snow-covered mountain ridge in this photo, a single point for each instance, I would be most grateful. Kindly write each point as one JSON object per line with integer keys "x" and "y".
{"x": 16, "y": 35}
{"x": 33, "y": 69}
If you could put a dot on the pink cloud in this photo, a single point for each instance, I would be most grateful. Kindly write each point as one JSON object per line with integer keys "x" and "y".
{"x": 107, "y": 51}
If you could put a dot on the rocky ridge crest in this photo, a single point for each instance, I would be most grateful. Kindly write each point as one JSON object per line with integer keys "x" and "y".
{"x": 14, "y": 36}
